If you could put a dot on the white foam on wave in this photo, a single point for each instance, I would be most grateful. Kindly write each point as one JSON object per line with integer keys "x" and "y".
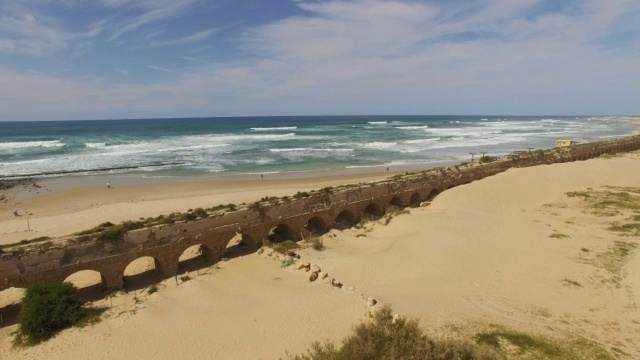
{"x": 281, "y": 128}
{"x": 95, "y": 145}
{"x": 377, "y": 122}
{"x": 422, "y": 141}
{"x": 30, "y": 144}
{"x": 323, "y": 150}
{"x": 420, "y": 127}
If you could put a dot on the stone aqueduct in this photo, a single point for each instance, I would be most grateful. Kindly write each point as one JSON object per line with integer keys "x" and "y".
{"x": 294, "y": 219}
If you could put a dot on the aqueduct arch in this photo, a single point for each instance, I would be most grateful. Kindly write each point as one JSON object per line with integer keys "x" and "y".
{"x": 415, "y": 199}
{"x": 346, "y": 219}
{"x": 433, "y": 194}
{"x": 282, "y": 232}
{"x": 195, "y": 257}
{"x": 141, "y": 272}
{"x": 396, "y": 204}
{"x": 372, "y": 211}
{"x": 316, "y": 226}
{"x": 91, "y": 284}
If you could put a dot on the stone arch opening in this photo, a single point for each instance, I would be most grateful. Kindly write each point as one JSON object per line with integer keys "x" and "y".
{"x": 91, "y": 284}
{"x": 372, "y": 211}
{"x": 282, "y": 233}
{"x": 415, "y": 199}
{"x": 316, "y": 227}
{"x": 239, "y": 245}
{"x": 433, "y": 194}
{"x": 345, "y": 220}
{"x": 396, "y": 204}
{"x": 10, "y": 305}
{"x": 141, "y": 272}
{"x": 195, "y": 257}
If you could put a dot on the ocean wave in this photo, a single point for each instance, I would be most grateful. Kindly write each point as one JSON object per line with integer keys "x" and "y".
{"x": 422, "y": 141}
{"x": 31, "y": 144}
{"x": 324, "y": 150}
{"x": 422, "y": 127}
{"x": 282, "y": 128}
{"x": 95, "y": 145}
{"x": 377, "y": 122}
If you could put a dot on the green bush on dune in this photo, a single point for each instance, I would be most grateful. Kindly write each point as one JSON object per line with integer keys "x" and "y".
{"x": 389, "y": 338}
{"x": 46, "y": 310}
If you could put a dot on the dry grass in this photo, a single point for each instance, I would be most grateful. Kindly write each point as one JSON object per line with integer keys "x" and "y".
{"x": 387, "y": 338}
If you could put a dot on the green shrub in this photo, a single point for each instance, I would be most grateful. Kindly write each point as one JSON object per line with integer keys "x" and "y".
{"x": 115, "y": 232}
{"x": 285, "y": 246}
{"x": 487, "y": 159}
{"x": 46, "y": 310}
{"x": 300, "y": 195}
{"x": 153, "y": 288}
{"x": 386, "y": 338}
{"x": 200, "y": 212}
{"x": 188, "y": 216}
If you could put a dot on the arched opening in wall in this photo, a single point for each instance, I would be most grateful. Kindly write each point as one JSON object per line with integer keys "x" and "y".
{"x": 194, "y": 258}
{"x": 346, "y": 219}
{"x": 282, "y": 233}
{"x": 415, "y": 199}
{"x": 372, "y": 212}
{"x": 239, "y": 245}
{"x": 395, "y": 204}
{"x": 433, "y": 194}
{"x": 316, "y": 227}
{"x": 141, "y": 273}
{"x": 90, "y": 284}
{"x": 10, "y": 305}
{"x": 450, "y": 186}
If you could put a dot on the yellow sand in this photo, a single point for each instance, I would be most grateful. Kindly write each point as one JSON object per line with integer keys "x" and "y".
{"x": 479, "y": 254}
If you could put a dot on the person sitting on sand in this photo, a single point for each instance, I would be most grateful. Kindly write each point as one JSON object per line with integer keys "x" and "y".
{"x": 15, "y": 212}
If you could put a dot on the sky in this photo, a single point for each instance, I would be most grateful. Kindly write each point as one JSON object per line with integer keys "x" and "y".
{"x": 115, "y": 59}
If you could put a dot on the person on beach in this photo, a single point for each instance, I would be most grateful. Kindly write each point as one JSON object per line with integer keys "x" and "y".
{"x": 15, "y": 212}
{"x": 261, "y": 177}
{"x": 108, "y": 185}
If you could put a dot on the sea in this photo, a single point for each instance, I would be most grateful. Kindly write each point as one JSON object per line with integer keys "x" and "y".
{"x": 261, "y": 145}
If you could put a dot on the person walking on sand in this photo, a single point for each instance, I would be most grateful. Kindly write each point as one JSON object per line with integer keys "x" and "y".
{"x": 108, "y": 185}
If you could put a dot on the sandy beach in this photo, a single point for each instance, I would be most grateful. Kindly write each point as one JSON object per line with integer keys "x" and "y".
{"x": 511, "y": 251}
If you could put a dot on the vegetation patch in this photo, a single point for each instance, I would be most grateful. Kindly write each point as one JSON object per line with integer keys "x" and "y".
{"x": 570, "y": 282}
{"x": 387, "y": 338}
{"x": 317, "y": 243}
{"x": 285, "y": 246}
{"x": 228, "y": 207}
{"x": 515, "y": 344}
{"x": 25, "y": 242}
{"x": 487, "y": 159}
{"x": 609, "y": 202}
{"x": 301, "y": 194}
{"x": 152, "y": 289}
{"x": 632, "y": 229}
{"x": 613, "y": 261}
{"x": 46, "y": 310}
{"x": 559, "y": 236}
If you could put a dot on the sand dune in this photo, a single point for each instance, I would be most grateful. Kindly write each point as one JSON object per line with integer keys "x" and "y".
{"x": 511, "y": 250}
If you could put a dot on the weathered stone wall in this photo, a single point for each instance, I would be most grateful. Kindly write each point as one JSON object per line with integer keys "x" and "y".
{"x": 297, "y": 218}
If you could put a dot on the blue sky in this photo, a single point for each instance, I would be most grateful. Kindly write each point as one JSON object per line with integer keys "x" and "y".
{"x": 104, "y": 59}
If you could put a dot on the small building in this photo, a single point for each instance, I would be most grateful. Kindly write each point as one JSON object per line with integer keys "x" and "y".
{"x": 564, "y": 143}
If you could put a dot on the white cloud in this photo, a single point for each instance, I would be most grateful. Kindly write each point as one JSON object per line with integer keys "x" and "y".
{"x": 153, "y": 11}
{"x": 187, "y": 40}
